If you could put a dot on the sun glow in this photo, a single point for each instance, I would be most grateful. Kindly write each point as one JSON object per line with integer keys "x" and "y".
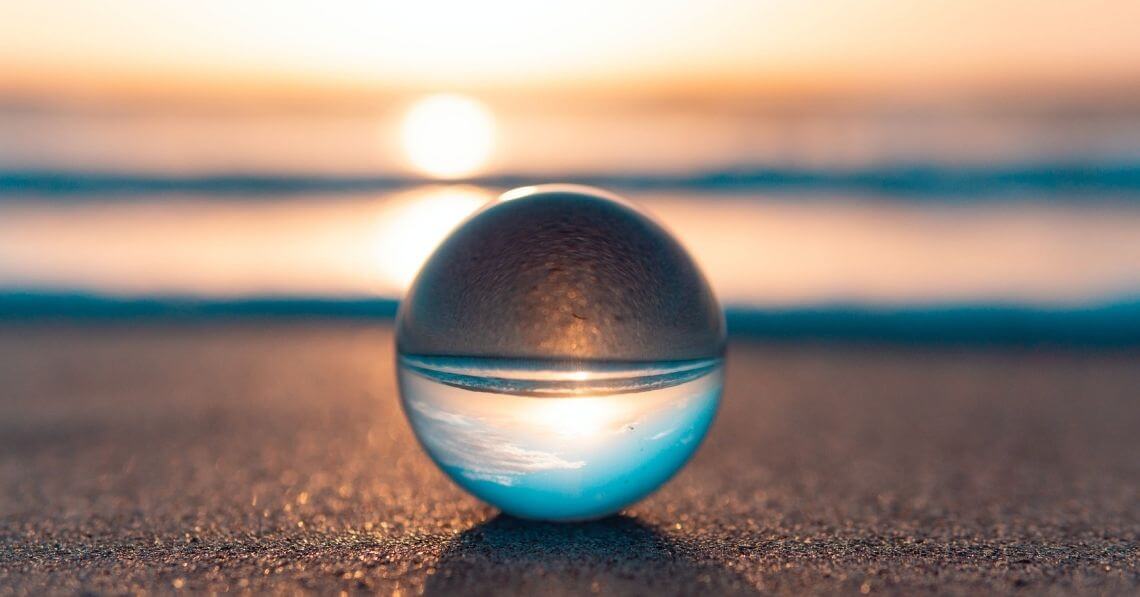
{"x": 448, "y": 136}
{"x": 579, "y": 417}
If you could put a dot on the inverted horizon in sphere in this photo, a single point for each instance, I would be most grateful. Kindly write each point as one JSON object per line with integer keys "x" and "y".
{"x": 566, "y": 454}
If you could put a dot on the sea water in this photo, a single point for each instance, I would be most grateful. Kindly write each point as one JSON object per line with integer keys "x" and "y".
{"x": 553, "y": 442}
{"x": 560, "y": 354}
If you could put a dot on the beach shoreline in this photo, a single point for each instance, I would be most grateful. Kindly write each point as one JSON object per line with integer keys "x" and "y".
{"x": 272, "y": 455}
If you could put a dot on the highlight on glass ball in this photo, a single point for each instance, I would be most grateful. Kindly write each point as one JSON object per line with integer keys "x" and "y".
{"x": 560, "y": 354}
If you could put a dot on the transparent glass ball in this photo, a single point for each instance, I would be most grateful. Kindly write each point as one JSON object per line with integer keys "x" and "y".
{"x": 560, "y": 354}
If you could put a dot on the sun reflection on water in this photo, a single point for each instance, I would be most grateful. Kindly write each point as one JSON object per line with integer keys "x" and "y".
{"x": 410, "y": 227}
{"x": 756, "y": 251}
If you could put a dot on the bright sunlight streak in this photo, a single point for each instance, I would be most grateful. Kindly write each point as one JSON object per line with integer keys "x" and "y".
{"x": 448, "y": 136}
{"x": 411, "y": 226}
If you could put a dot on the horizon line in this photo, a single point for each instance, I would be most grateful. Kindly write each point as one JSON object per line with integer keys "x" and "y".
{"x": 1049, "y": 178}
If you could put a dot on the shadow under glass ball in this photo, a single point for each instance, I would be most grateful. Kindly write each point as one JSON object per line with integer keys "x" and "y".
{"x": 560, "y": 354}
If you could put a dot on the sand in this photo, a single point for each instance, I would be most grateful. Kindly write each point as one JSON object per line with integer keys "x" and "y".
{"x": 272, "y": 456}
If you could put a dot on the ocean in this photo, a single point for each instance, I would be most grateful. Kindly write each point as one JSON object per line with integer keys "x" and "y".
{"x": 870, "y": 225}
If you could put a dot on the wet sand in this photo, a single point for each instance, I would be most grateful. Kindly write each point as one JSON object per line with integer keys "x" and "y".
{"x": 273, "y": 456}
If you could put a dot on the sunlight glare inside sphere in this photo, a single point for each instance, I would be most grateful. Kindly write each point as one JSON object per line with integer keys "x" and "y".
{"x": 448, "y": 136}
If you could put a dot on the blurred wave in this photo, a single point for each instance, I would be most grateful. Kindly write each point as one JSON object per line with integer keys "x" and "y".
{"x": 1033, "y": 180}
{"x": 1109, "y": 324}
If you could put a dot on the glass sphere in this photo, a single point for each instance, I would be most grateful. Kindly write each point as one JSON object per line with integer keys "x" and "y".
{"x": 560, "y": 354}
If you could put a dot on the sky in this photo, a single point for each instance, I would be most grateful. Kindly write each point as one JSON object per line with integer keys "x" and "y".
{"x": 74, "y": 48}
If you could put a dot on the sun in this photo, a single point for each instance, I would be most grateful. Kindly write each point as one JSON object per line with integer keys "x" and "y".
{"x": 448, "y": 135}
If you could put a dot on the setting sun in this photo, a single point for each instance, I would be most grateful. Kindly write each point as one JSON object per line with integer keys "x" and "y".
{"x": 448, "y": 136}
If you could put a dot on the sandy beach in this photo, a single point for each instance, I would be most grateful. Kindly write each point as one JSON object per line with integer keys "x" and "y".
{"x": 274, "y": 456}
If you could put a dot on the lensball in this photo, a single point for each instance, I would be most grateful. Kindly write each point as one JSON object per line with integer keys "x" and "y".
{"x": 560, "y": 354}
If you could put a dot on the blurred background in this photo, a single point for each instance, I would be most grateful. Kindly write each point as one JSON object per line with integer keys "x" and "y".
{"x": 922, "y": 218}
{"x": 962, "y": 170}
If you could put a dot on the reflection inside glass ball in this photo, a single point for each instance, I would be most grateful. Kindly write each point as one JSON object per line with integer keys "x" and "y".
{"x": 560, "y": 354}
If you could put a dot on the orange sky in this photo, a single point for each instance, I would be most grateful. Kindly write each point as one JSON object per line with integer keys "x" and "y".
{"x": 74, "y": 48}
